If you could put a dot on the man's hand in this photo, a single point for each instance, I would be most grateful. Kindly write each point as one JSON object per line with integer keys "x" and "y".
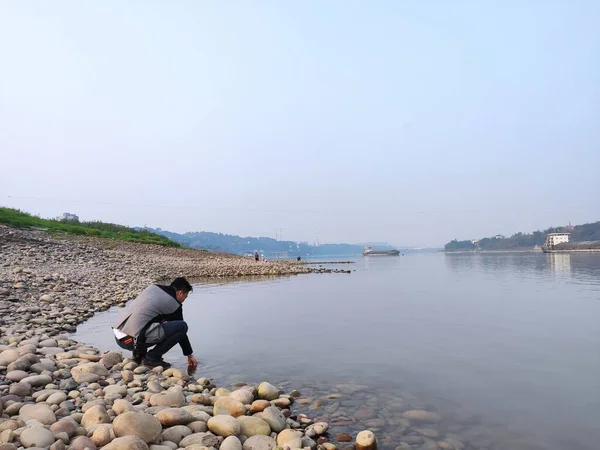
{"x": 192, "y": 361}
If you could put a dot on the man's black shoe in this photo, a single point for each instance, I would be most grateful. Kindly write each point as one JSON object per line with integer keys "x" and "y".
{"x": 149, "y": 362}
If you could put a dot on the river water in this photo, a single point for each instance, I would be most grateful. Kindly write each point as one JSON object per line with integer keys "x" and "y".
{"x": 504, "y": 347}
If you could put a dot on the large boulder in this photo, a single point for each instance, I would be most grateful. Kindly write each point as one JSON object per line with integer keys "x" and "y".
{"x": 229, "y": 406}
{"x": 142, "y": 425}
{"x": 252, "y": 426}
{"x": 224, "y": 426}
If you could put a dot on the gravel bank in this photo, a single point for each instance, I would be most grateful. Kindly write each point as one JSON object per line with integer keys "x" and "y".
{"x": 58, "y": 393}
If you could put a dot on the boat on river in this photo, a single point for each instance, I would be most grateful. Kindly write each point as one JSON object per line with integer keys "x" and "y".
{"x": 369, "y": 251}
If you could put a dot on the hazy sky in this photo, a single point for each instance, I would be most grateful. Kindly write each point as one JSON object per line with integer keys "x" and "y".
{"x": 412, "y": 122}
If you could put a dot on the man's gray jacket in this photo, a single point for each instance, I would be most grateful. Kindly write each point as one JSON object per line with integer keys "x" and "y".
{"x": 142, "y": 318}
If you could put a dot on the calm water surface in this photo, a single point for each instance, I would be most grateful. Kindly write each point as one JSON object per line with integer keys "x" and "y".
{"x": 505, "y": 347}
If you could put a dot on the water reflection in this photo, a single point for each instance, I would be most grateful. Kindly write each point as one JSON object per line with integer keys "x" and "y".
{"x": 584, "y": 267}
{"x": 560, "y": 263}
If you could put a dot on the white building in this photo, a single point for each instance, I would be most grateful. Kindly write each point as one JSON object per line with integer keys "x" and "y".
{"x": 69, "y": 216}
{"x": 553, "y": 239}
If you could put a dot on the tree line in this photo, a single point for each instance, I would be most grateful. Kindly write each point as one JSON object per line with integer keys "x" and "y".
{"x": 518, "y": 241}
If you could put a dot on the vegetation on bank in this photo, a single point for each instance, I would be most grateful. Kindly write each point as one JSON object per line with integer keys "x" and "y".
{"x": 20, "y": 219}
{"x": 521, "y": 241}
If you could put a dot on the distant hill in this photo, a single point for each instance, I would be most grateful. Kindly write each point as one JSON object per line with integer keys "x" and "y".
{"x": 522, "y": 241}
{"x": 267, "y": 246}
{"x": 270, "y": 247}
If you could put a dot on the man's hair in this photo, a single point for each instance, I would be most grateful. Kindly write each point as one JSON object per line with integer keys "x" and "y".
{"x": 181, "y": 284}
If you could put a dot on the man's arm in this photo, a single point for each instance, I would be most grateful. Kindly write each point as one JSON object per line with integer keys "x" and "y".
{"x": 186, "y": 347}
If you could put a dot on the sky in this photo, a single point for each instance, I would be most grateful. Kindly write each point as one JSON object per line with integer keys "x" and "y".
{"x": 410, "y": 122}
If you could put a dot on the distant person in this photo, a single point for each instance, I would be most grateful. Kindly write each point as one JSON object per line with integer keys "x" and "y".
{"x": 155, "y": 319}
{"x": 256, "y": 257}
{"x": 299, "y": 258}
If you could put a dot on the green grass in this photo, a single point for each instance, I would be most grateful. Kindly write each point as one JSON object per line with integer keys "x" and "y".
{"x": 20, "y": 219}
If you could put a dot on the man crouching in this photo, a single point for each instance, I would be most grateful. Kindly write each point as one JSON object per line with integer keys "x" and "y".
{"x": 155, "y": 318}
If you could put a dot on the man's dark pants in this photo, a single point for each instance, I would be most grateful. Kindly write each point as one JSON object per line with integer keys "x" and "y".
{"x": 175, "y": 331}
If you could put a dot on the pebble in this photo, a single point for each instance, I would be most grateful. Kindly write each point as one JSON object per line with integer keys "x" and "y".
{"x": 252, "y": 426}
{"x": 224, "y": 426}
{"x": 139, "y": 424}
{"x": 16, "y": 375}
{"x": 274, "y": 417}
{"x": 229, "y": 406}
{"x": 36, "y": 437}
{"x": 176, "y": 433}
{"x": 174, "y": 416}
{"x": 290, "y": 438}
{"x": 365, "y": 440}
{"x": 127, "y": 443}
{"x": 419, "y": 415}
{"x": 95, "y": 415}
{"x": 203, "y": 439}
{"x": 172, "y": 397}
{"x": 259, "y": 405}
{"x": 37, "y": 380}
{"x": 82, "y": 443}
{"x": 267, "y": 391}
{"x": 344, "y": 437}
{"x": 101, "y": 436}
{"x": 40, "y": 412}
{"x": 231, "y": 443}
{"x": 259, "y": 442}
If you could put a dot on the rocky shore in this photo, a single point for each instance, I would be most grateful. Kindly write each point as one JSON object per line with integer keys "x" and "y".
{"x": 58, "y": 393}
